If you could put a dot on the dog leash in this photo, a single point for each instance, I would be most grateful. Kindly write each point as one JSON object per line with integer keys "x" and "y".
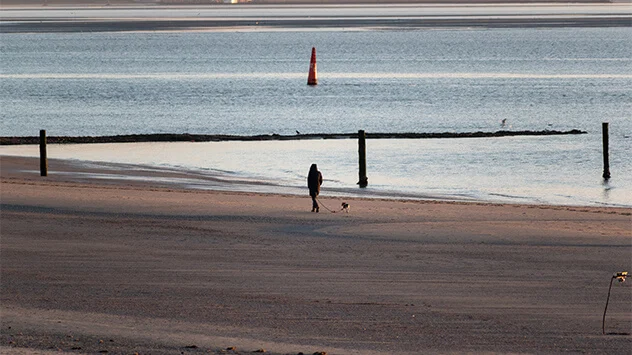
{"x": 324, "y": 205}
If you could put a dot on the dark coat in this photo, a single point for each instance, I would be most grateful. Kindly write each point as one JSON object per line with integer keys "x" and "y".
{"x": 314, "y": 180}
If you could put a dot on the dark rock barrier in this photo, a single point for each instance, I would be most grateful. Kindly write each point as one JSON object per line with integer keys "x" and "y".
{"x": 185, "y": 137}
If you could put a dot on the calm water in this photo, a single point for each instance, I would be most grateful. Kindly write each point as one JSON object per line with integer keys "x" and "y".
{"x": 381, "y": 81}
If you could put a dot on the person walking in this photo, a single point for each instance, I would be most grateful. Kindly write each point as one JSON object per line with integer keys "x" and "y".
{"x": 314, "y": 180}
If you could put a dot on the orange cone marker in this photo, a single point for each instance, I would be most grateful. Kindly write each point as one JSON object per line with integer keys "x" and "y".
{"x": 311, "y": 78}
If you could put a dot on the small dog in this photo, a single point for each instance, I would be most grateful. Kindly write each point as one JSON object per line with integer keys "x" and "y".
{"x": 345, "y": 207}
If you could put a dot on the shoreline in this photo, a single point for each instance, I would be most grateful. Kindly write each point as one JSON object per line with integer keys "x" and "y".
{"x": 84, "y": 174}
{"x": 127, "y": 268}
{"x": 87, "y": 184}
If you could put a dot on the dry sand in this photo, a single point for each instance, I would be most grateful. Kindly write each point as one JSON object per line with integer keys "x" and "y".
{"x": 88, "y": 266}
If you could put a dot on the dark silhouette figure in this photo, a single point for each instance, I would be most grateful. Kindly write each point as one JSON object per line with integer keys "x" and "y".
{"x": 314, "y": 180}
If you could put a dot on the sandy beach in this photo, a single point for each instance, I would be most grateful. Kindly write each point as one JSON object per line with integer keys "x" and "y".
{"x": 90, "y": 266}
{"x": 107, "y": 258}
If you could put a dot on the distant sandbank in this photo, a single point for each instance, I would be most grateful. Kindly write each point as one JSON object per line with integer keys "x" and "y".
{"x": 275, "y": 2}
{"x": 382, "y": 16}
{"x": 183, "y": 25}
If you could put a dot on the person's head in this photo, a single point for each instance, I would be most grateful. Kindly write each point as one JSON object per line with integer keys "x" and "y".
{"x": 313, "y": 168}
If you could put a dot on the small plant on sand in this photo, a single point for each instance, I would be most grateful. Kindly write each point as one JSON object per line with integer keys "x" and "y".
{"x": 620, "y": 276}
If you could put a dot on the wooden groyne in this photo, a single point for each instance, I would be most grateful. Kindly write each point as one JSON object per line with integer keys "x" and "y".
{"x": 185, "y": 137}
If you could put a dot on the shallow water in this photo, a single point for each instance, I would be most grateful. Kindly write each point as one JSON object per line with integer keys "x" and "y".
{"x": 468, "y": 169}
{"x": 451, "y": 80}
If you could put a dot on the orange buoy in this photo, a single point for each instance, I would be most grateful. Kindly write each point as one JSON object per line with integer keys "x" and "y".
{"x": 311, "y": 78}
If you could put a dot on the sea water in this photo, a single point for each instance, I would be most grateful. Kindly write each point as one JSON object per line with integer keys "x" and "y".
{"x": 254, "y": 82}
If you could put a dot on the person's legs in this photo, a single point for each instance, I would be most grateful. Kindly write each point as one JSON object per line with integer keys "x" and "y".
{"x": 314, "y": 204}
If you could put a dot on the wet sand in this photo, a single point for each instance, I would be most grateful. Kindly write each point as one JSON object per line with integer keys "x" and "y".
{"x": 124, "y": 266}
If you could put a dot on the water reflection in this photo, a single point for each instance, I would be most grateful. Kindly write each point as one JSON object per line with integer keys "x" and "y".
{"x": 482, "y": 169}
{"x": 606, "y": 189}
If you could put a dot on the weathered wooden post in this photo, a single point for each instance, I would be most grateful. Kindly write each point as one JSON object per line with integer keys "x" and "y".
{"x": 364, "y": 180}
{"x": 43, "y": 158}
{"x": 606, "y": 159}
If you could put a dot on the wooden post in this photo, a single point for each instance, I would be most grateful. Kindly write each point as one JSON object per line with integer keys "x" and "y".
{"x": 606, "y": 159}
{"x": 364, "y": 181}
{"x": 43, "y": 158}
